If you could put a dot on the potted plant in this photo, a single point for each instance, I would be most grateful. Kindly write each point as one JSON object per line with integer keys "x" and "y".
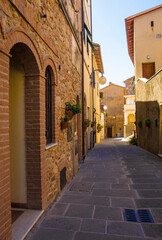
{"x": 76, "y": 109}
{"x": 69, "y": 110}
{"x": 93, "y": 123}
{"x": 147, "y": 122}
{"x": 72, "y": 110}
{"x": 140, "y": 124}
{"x": 64, "y": 123}
{"x": 86, "y": 123}
{"x": 99, "y": 127}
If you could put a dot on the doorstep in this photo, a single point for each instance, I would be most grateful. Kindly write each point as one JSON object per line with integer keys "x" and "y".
{"x": 22, "y": 226}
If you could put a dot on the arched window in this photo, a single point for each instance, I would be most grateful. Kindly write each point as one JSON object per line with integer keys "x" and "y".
{"x": 49, "y": 97}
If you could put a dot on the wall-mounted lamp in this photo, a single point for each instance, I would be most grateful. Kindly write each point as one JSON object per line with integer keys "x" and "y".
{"x": 105, "y": 107}
{"x": 102, "y": 79}
{"x": 114, "y": 117}
{"x": 148, "y": 57}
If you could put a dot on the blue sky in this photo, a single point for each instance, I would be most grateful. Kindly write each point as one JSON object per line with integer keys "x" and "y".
{"x": 109, "y": 31}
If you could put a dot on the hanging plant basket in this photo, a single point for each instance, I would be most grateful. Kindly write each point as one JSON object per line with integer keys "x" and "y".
{"x": 69, "y": 113}
{"x": 65, "y": 122}
{"x": 99, "y": 127}
{"x": 86, "y": 124}
{"x": 93, "y": 123}
{"x": 64, "y": 125}
{"x": 85, "y": 127}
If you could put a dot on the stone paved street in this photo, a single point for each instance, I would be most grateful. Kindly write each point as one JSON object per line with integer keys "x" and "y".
{"x": 115, "y": 176}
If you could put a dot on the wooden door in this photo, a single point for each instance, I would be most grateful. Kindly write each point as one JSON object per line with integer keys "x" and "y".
{"x": 148, "y": 70}
{"x": 109, "y": 132}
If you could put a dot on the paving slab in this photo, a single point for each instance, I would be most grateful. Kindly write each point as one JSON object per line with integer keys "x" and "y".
{"x": 152, "y": 230}
{"x": 58, "y": 209}
{"x": 114, "y": 193}
{"x": 65, "y": 223}
{"x": 93, "y": 225}
{"x": 97, "y": 236}
{"x": 108, "y": 213}
{"x": 52, "y": 234}
{"x": 122, "y": 202}
{"x": 119, "y": 186}
{"x": 146, "y": 186}
{"x": 82, "y": 211}
{"x": 150, "y": 193}
{"x": 157, "y": 214}
{"x": 115, "y": 176}
{"x": 82, "y": 199}
{"x": 148, "y": 203}
{"x": 124, "y": 228}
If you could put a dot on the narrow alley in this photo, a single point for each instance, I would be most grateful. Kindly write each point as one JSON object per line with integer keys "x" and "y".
{"x": 115, "y": 177}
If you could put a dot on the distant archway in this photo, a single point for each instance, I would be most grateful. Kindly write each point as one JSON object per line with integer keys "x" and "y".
{"x": 131, "y": 119}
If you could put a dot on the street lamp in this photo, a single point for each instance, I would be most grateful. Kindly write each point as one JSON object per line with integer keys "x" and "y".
{"x": 102, "y": 80}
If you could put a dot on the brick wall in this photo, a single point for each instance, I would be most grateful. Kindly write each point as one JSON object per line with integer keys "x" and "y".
{"x": 5, "y": 209}
{"x": 52, "y": 43}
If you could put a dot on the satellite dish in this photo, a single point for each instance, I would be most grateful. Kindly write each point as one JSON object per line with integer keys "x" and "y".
{"x": 102, "y": 80}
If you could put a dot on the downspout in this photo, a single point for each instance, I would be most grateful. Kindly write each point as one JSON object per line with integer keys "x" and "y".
{"x": 92, "y": 75}
{"x": 82, "y": 36}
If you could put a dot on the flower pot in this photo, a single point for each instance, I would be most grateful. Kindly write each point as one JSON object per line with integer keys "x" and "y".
{"x": 86, "y": 126}
{"x": 92, "y": 125}
{"x": 64, "y": 125}
{"x": 69, "y": 114}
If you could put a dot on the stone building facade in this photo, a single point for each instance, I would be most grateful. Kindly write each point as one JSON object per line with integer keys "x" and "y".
{"x": 129, "y": 108}
{"x": 113, "y": 98}
{"x": 40, "y": 49}
{"x": 144, "y": 38}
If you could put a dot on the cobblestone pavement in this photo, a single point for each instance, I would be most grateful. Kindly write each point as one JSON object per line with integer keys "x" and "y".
{"x": 115, "y": 176}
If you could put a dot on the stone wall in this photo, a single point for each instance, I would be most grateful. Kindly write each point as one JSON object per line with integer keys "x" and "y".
{"x": 51, "y": 41}
{"x": 113, "y": 98}
{"x": 148, "y": 102}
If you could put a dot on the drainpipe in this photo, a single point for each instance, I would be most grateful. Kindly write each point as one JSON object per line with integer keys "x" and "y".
{"x": 92, "y": 75}
{"x": 82, "y": 36}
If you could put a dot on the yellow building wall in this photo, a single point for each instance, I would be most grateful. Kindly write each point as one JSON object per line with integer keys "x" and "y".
{"x": 17, "y": 132}
{"x": 97, "y": 101}
{"x": 113, "y": 98}
{"x": 146, "y": 41}
{"x": 148, "y": 104}
{"x": 87, "y": 74}
{"x": 129, "y": 115}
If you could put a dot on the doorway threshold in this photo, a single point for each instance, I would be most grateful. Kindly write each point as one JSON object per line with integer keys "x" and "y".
{"x": 25, "y": 222}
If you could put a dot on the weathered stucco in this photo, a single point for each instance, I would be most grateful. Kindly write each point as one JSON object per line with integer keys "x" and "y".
{"x": 148, "y": 105}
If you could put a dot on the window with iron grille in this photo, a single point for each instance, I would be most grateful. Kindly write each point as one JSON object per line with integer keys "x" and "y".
{"x": 49, "y": 106}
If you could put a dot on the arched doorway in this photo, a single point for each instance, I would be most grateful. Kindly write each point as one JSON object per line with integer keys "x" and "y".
{"x": 24, "y": 132}
{"x": 17, "y": 132}
{"x": 131, "y": 119}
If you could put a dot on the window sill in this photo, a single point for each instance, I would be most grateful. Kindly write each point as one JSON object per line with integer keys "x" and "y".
{"x": 48, "y": 146}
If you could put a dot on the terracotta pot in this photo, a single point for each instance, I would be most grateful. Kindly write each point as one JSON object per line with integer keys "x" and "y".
{"x": 64, "y": 125}
{"x": 86, "y": 126}
{"x": 69, "y": 114}
{"x": 92, "y": 125}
